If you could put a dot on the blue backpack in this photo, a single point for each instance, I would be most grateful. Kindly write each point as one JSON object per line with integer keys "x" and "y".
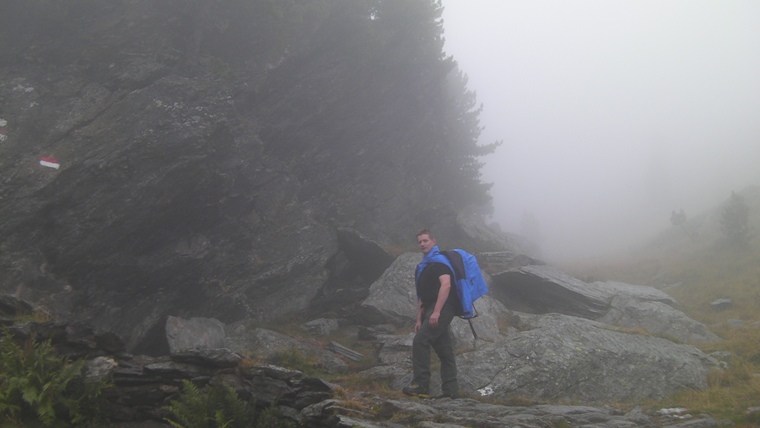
{"x": 468, "y": 280}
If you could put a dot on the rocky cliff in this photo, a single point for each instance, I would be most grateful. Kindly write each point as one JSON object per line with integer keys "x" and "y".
{"x": 190, "y": 158}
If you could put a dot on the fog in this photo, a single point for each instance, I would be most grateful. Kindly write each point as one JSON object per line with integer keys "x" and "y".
{"x": 612, "y": 114}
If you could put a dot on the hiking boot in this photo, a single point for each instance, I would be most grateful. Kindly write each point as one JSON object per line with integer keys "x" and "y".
{"x": 415, "y": 391}
{"x": 447, "y": 395}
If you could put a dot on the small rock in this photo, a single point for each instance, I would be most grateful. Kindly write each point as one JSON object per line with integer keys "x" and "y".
{"x": 722, "y": 304}
{"x": 321, "y": 327}
{"x": 100, "y": 367}
{"x": 372, "y": 332}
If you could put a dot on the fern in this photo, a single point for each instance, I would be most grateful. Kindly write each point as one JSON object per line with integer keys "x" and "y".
{"x": 191, "y": 410}
{"x": 36, "y": 384}
{"x": 271, "y": 417}
{"x": 218, "y": 406}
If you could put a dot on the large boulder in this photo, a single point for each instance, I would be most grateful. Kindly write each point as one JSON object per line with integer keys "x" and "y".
{"x": 656, "y": 318}
{"x": 486, "y": 326}
{"x": 392, "y": 298}
{"x": 159, "y": 201}
{"x": 560, "y": 358}
{"x": 542, "y": 289}
{"x": 570, "y": 358}
{"x": 194, "y": 333}
{"x": 358, "y": 262}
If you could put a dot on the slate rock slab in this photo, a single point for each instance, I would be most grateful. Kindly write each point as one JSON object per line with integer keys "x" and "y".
{"x": 577, "y": 359}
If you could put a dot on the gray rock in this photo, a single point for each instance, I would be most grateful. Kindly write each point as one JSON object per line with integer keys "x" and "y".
{"x": 321, "y": 327}
{"x": 638, "y": 292}
{"x": 499, "y": 261}
{"x": 546, "y": 289}
{"x": 577, "y": 359}
{"x": 265, "y": 344}
{"x": 373, "y": 331}
{"x": 358, "y": 262}
{"x": 722, "y": 304}
{"x": 365, "y": 255}
{"x": 100, "y": 368}
{"x": 656, "y": 318}
{"x": 350, "y": 422}
{"x": 217, "y": 357}
{"x": 723, "y": 356}
{"x": 141, "y": 71}
{"x": 468, "y": 412}
{"x": 396, "y": 350}
{"x": 392, "y": 298}
{"x": 491, "y": 313}
{"x": 562, "y": 357}
{"x": 194, "y": 333}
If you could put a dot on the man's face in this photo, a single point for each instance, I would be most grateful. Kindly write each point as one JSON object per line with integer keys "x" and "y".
{"x": 425, "y": 242}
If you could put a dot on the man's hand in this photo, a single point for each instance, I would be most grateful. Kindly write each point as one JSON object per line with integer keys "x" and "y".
{"x": 443, "y": 294}
{"x": 417, "y": 326}
{"x": 434, "y": 319}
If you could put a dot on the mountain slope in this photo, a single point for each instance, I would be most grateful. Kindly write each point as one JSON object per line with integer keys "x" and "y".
{"x": 696, "y": 263}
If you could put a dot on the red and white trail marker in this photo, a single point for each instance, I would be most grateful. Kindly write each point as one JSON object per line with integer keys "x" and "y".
{"x": 50, "y": 162}
{"x": 3, "y": 130}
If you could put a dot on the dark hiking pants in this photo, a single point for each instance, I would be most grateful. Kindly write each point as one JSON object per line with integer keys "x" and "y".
{"x": 439, "y": 338}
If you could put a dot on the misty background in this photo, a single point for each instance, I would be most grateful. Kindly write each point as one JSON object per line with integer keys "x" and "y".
{"x": 612, "y": 114}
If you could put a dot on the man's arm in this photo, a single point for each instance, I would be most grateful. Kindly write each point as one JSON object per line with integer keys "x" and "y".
{"x": 443, "y": 294}
{"x": 420, "y": 309}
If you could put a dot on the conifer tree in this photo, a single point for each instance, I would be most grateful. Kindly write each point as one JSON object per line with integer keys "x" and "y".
{"x": 734, "y": 220}
{"x": 442, "y": 123}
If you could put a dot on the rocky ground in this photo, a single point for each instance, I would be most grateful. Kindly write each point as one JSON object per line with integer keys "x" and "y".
{"x": 142, "y": 385}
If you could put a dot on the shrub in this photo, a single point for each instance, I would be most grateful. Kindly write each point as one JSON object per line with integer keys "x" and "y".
{"x": 36, "y": 385}
{"x": 734, "y": 220}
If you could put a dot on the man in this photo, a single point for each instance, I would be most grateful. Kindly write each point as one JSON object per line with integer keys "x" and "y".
{"x": 437, "y": 305}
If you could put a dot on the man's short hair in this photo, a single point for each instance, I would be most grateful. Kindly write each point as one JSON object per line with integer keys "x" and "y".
{"x": 425, "y": 232}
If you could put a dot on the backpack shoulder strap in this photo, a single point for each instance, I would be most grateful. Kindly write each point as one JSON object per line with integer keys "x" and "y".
{"x": 457, "y": 263}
